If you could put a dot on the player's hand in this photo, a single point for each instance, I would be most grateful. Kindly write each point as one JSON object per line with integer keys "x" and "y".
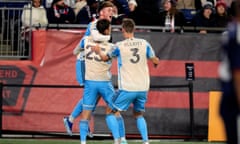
{"x": 155, "y": 61}
{"x": 96, "y": 49}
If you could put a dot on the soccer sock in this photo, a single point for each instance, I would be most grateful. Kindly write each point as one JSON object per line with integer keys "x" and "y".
{"x": 142, "y": 128}
{"x": 112, "y": 124}
{"x": 83, "y": 128}
{"x": 76, "y": 111}
{"x": 121, "y": 127}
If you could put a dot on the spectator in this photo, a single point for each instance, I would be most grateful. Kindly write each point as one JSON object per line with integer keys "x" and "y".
{"x": 188, "y": 9}
{"x": 87, "y": 13}
{"x": 214, "y": 2}
{"x": 60, "y": 13}
{"x": 79, "y": 5}
{"x": 132, "y": 4}
{"x": 205, "y": 18}
{"x": 185, "y": 4}
{"x": 200, "y": 3}
{"x": 33, "y": 14}
{"x": 122, "y": 6}
{"x": 222, "y": 17}
{"x": 170, "y": 17}
{"x": 117, "y": 18}
{"x": 134, "y": 12}
{"x": 38, "y": 15}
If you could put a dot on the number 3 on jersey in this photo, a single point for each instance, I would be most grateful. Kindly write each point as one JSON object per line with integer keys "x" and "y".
{"x": 136, "y": 56}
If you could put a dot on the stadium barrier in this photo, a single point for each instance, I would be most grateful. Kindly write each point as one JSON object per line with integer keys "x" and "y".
{"x": 189, "y": 86}
{"x": 167, "y": 109}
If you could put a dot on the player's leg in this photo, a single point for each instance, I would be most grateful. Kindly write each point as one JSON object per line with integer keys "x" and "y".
{"x": 229, "y": 111}
{"x": 121, "y": 126}
{"x": 89, "y": 103}
{"x": 68, "y": 121}
{"x": 84, "y": 125}
{"x": 80, "y": 74}
{"x": 138, "y": 109}
{"x": 80, "y": 71}
{"x": 107, "y": 92}
{"x": 121, "y": 101}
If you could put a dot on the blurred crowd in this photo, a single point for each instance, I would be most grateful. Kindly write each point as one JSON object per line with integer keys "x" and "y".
{"x": 165, "y": 13}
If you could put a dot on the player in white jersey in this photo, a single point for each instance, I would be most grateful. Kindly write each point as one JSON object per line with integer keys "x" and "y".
{"x": 133, "y": 74}
{"x": 97, "y": 80}
{"x": 105, "y": 12}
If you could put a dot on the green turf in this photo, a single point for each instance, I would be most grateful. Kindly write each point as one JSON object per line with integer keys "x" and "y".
{"x": 64, "y": 141}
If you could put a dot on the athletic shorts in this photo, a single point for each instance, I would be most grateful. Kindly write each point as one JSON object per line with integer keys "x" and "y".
{"x": 80, "y": 71}
{"x": 123, "y": 99}
{"x": 93, "y": 89}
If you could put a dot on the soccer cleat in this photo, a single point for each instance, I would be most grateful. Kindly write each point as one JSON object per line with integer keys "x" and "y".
{"x": 68, "y": 125}
{"x": 90, "y": 134}
{"x": 124, "y": 142}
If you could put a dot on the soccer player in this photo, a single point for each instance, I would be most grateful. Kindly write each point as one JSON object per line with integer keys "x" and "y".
{"x": 133, "y": 75}
{"x": 105, "y": 12}
{"x": 230, "y": 77}
{"x": 97, "y": 79}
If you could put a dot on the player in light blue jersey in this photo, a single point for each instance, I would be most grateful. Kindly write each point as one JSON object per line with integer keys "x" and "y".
{"x": 97, "y": 80}
{"x": 105, "y": 12}
{"x": 133, "y": 75}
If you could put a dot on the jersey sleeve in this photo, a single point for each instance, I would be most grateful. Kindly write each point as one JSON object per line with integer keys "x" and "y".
{"x": 82, "y": 43}
{"x": 88, "y": 30}
{"x": 150, "y": 51}
{"x": 115, "y": 52}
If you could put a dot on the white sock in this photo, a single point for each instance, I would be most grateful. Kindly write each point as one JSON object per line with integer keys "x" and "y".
{"x": 117, "y": 141}
{"x": 83, "y": 142}
{"x": 71, "y": 118}
{"x": 123, "y": 139}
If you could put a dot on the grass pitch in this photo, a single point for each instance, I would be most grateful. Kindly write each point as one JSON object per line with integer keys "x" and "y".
{"x": 67, "y": 141}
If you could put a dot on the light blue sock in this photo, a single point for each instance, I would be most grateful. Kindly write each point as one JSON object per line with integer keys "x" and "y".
{"x": 121, "y": 126}
{"x": 83, "y": 128}
{"x": 77, "y": 109}
{"x": 112, "y": 124}
{"x": 142, "y": 128}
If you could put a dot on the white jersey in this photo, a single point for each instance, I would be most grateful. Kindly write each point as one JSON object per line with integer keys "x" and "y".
{"x": 95, "y": 68}
{"x": 133, "y": 73}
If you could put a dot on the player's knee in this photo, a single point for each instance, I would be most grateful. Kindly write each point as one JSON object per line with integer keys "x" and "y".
{"x": 137, "y": 114}
{"x": 86, "y": 114}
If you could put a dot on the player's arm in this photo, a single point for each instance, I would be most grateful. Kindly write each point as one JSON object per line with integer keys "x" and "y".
{"x": 98, "y": 51}
{"x": 92, "y": 30}
{"x": 80, "y": 47}
{"x": 151, "y": 55}
{"x": 155, "y": 61}
{"x": 99, "y": 37}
